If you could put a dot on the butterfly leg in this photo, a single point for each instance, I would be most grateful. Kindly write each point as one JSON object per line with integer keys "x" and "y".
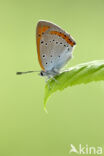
{"x": 46, "y": 80}
{"x": 49, "y": 79}
{"x": 53, "y": 78}
{"x": 55, "y": 72}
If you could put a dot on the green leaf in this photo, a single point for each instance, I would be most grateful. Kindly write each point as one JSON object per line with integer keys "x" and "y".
{"x": 80, "y": 74}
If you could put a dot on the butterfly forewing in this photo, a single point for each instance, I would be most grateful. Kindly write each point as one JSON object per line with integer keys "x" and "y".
{"x": 54, "y": 46}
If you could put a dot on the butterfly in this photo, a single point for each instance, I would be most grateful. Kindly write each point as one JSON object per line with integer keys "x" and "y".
{"x": 54, "y": 48}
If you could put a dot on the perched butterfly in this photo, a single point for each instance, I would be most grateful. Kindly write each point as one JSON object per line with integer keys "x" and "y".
{"x": 54, "y": 48}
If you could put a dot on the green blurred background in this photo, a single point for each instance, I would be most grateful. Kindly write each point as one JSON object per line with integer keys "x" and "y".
{"x": 76, "y": 115}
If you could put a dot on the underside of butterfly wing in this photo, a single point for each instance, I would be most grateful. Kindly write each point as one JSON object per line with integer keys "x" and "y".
{"x": 54, "y": 46}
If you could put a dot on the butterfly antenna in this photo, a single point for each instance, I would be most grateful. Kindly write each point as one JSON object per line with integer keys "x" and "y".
{"x": 20, "y": 73}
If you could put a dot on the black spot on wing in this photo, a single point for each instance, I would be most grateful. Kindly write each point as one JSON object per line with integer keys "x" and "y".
{"x": 42, "y": 42}
{"x": 44, "y": 55}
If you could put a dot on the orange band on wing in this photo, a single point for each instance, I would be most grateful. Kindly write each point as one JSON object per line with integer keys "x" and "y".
{"x": 68, "y": 40}
{"x": 40, "y": 30}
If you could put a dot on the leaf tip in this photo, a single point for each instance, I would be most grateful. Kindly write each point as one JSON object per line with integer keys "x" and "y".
{"x": 45, "y": 109}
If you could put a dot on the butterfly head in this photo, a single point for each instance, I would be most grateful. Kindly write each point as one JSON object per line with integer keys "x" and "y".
{"x": 42, "y": 73}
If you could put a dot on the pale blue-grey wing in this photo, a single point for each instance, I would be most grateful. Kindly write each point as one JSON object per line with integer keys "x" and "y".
{"x": 55, "y": 47}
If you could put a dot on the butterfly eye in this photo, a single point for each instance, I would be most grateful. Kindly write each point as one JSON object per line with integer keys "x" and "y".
{"x": 41, "y": 73}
